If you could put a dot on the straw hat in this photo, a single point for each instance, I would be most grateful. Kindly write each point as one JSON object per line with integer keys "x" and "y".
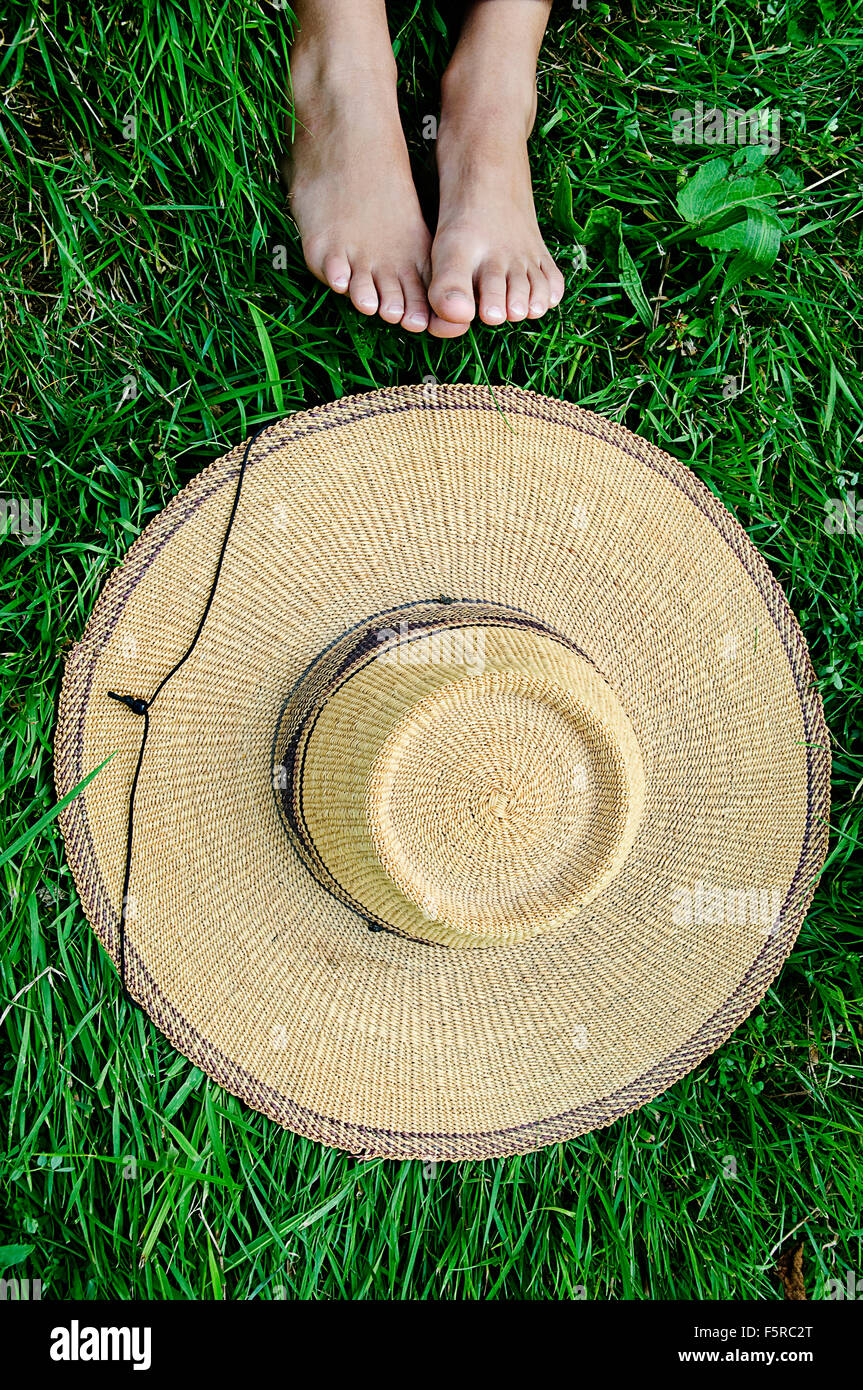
{"x": 492, "y": 795}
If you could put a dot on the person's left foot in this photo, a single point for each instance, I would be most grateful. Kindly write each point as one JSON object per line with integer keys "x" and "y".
{"x": 488, "y": 252}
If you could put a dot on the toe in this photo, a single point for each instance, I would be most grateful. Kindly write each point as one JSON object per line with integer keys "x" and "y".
{"x": 444, "y": 328}
{"x": 391, "y": 299}
{"x": 337, "y": 271}
{"x": 556, "y": 283}
{"x": 518, "y": 295}
{"x": 363, "y": 294}
{"x": 540, "y": 293}
{"x": 416, "y": 313}
{"x": 454, "y": 304}
{"x": 451, "y": 290}
{"x": 492, "y": 294}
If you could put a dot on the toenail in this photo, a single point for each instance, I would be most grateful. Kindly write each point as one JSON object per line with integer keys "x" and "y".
{"x": 340, "y": 282}
{"x": 494, "y": 312}
{"x": 536, "y": 308}
{"x": 416, "y": 318}
{"x": 518, "y": 307}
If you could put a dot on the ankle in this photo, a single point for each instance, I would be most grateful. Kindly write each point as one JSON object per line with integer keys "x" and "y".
{"x": 479, "y": 103}
{"x": 321, "y": 66}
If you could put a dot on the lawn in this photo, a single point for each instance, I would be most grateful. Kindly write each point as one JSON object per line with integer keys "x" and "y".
{"x": 155, "y": 310}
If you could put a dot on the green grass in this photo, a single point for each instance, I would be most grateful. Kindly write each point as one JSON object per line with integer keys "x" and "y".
{"x": 152, "y": 259}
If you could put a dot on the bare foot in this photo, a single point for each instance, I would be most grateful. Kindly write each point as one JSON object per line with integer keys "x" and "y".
{"x": 488, "y": 252}
{"x": 349, "y": 178}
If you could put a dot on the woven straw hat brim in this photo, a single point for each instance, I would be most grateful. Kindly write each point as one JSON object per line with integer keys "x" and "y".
{"x": 383, "y": 1043}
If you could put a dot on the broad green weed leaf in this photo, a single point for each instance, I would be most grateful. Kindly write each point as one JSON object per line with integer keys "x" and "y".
{"x": 699, "y": 197}
{"x": 741, "y": 268}
{"x": 759, "y": 233}
{"x": 731, "y": 207}
{"x": 603, "y": 228}
{"x": 561, "y": 210}
{"x": 631, "y": 282}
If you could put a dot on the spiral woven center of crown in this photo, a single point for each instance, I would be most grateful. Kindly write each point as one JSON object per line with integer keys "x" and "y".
{"x": 498, "y": 800}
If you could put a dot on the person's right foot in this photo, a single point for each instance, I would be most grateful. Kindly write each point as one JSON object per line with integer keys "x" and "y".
{"x": 350, "y": 186}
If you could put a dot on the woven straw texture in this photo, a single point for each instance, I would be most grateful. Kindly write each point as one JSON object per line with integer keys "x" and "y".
{"x": 493, "y": 795}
